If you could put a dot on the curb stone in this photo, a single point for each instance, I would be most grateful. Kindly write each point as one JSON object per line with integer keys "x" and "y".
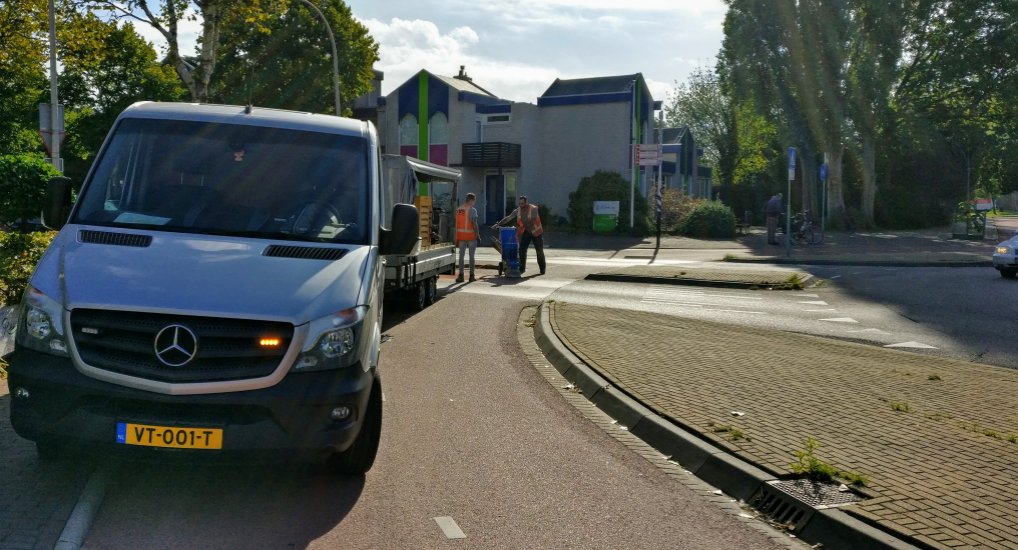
{"x": 740, "y": 479}
{"x": 646, "y": 279}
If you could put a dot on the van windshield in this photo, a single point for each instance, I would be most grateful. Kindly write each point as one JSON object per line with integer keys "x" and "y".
{"x": 230, "y": 179}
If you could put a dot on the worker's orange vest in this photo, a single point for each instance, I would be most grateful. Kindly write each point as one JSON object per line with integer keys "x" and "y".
{"x": 533, "y": 217}
{"x": 464, "y": 228}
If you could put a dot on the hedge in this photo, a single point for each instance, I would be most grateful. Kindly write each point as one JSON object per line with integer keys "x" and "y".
{"x": 19, "y": 253}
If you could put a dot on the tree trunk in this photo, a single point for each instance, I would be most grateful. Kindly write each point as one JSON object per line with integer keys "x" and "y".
{"x": 835, "y": 191}
{"x": 808, "y": 178}
{"x": 869, "y": 177}
{"x": 212, "y": 15}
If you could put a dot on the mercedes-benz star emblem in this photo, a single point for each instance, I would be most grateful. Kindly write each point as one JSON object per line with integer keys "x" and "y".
{"x": 176, "y": 345}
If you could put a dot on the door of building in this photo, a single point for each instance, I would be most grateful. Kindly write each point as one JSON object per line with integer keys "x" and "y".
{"x": 494, "y": 198}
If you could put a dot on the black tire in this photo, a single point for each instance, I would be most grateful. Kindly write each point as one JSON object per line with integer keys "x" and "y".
{"x": 431, "y": 292}
{"x": 419, "y": 296}
{"x": 359, "y": 458}
{"x": 1008, "y": 273}
{"x": 809, "y": 236}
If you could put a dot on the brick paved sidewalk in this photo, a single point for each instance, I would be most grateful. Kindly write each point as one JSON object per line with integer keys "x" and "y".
{"x": 936, "y": 439}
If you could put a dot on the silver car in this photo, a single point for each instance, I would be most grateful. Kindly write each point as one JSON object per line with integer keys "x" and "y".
{"x": 1005, "y": 257}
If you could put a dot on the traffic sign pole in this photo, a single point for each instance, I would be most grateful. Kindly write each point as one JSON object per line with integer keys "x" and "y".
{"x": 788, "y": 204}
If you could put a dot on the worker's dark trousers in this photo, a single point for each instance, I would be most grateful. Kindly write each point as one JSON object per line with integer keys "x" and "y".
{"x": 525, "y": 239}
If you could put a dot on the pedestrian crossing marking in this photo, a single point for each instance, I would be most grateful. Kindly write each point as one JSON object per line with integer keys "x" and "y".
{"x": 913, "y": 345}
{"x": 841, "y": 320}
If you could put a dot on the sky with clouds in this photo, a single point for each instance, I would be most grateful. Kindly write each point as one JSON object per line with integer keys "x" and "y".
{"x": 517, "y": 48}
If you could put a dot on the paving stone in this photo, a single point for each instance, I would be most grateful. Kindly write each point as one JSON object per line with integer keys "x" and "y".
{"x": 932, "y": 466}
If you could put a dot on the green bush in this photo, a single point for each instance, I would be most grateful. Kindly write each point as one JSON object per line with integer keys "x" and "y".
{"x": 23, "y": 187}
{"x": 709, "y": 219}
{"x": 19, "y": 252}
{"x": 606, "y": 186}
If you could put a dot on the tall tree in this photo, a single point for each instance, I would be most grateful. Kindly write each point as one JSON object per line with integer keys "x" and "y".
{"x": 872, "y": 74}
{"x": 701, "y": 105}
{"x": 23, "y": 55}
{"x": 166, "y": 16}
{"x": 289, "y": 64}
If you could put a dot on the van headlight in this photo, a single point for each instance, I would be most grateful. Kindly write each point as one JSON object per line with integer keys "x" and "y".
{"x": 42, "y": 324}
{"x": 332, "y": 341}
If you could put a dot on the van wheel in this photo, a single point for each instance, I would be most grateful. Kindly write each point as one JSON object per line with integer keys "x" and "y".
{"x": 431, "y": 290}
{"x": 420, "y": 296}
{"x": 359, "y": 458}
{"x": 1008, "y": 273}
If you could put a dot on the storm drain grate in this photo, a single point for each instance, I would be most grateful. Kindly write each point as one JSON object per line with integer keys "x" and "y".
{"x": 792, "y": 503}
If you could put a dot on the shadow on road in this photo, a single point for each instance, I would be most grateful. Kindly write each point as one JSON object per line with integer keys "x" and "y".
{"x": 222, "y": 506}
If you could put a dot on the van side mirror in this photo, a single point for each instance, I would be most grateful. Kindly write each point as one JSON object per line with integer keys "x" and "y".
{"x": 403, "y": 237}
{"x": 58, "y": 202}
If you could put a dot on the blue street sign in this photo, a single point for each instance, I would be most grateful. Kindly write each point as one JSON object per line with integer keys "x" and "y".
{"x": 823, "y": 172}
{"x": 791, "y": 158}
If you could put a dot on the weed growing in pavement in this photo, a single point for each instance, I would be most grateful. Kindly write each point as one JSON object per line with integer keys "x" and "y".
{"x": 793, "y": 282}
{"x": 729, "y": 257}
{"x": 3, "y": 369}
{"x": 733, "y": 434}
{"x": 900, "y": 406}
{"x": 934, "y": 377}
{"x": 989, "y": 432}
{"x": 818, "y": 470}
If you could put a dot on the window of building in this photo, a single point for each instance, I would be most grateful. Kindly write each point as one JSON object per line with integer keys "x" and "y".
{"x": 497, "y": 119}
{"x": 438, "y": 129}
{"x": 408, "y": 130}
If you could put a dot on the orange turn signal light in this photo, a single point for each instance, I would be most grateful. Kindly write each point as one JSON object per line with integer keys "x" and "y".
{"x": 269, "y": 342}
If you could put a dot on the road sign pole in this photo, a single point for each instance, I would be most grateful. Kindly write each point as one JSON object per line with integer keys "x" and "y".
{"x": 788, "y": 203}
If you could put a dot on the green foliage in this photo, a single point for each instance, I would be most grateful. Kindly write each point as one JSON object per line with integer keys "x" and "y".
{"x": 23, "y": 187}
{"x": 19, "y": 253}
{"x": 709, "y": 219}
{"x": 22, "y": 75}
{"x": 606, "y": 186}
{"x": 289, "y": 64}
{"x": 806, "y": 462}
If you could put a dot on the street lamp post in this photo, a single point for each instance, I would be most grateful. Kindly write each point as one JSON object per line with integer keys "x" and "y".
{"x": 335, "y": 56}
{"x": 54, "y": 104}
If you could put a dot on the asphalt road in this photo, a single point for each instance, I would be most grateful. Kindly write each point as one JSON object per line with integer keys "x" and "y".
{"x": 474, "y": 434}
{"x": 471, "y": 432}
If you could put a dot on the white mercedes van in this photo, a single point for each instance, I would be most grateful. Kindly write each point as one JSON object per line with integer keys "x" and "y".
{"x": 217, "y": 290}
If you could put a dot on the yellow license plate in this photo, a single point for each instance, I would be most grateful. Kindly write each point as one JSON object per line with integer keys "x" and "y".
{"x": 169, "y": 437}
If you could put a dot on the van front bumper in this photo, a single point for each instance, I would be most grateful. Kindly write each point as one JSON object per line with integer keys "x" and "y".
{"x": 52, "y": 402}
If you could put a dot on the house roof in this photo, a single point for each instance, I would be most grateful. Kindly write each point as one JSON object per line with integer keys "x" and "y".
{"x": 589, "y": 86}
{"x": 463, "y": 85}
{"x": 673, "y": 135}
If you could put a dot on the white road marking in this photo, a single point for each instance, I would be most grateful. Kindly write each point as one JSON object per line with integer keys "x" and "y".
{"x": 449, "y": 528}
{"x": 807, "y": 295}
{"x": 815, "y": 303}
{"x": 873, "y": 330}
{"x": 913, "y": 345}
{"x": 819, "y": 310}
{"x": 741, "y": 311}
{"x": 80, "y": 521}
{"x": 670, "y": 303}
{"x": 841, "y": 320}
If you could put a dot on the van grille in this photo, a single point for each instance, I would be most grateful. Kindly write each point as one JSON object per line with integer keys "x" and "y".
{"x": 227, "y": 349}
{"x": 304, "y": 252}
{"x": 116, "y": 239}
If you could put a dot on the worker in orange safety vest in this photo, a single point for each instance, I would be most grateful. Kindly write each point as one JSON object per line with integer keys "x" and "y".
{"x": 467, "y": 233}
{"x": 528, "y": 230}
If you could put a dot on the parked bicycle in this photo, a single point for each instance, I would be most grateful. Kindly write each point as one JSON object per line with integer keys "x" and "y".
{"x": 803, "y": 230}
